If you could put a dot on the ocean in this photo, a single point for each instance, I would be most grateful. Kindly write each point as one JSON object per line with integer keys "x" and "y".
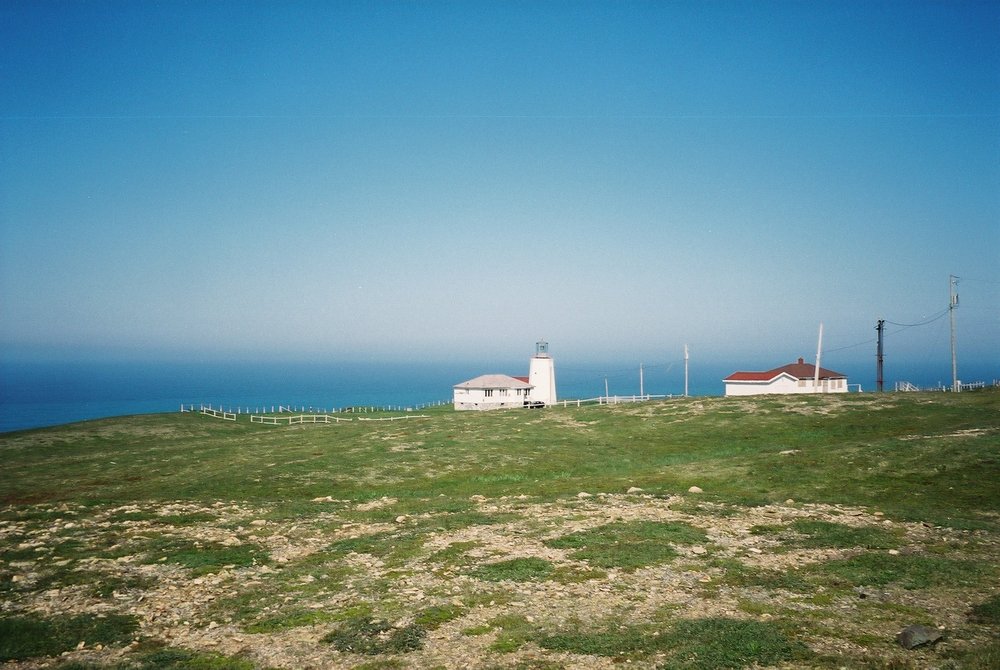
{"x": 39, "y": 394}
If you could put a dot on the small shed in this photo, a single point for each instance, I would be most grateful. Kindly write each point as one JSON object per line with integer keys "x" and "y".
{"x": 799, "y": 377}
{"x": 491, "y": 392}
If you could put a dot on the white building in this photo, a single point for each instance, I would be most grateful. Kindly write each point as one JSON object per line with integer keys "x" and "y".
{"x": 797, "y": 377}
{"x": 496, "y": 391}
{"x": 542, "y": 375}
{"x": 491, "y": 392}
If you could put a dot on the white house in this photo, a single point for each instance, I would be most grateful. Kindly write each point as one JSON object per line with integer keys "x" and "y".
{"x": 491, "y": 392}
{"x": 797, "y": 377}
{"x": 497, "y": 391}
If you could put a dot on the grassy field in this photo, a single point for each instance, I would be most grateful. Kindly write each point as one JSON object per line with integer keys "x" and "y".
{"x": 820, "y": 527}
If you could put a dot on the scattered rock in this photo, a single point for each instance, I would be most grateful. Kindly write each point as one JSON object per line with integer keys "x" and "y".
{"x": 916, "y": 635}
{"x": 788, "y": 452}
{"x": 401, "y": 518}
{"x": 695, "y": 489}
{"x": 583, "y": 494}
{"x": 864, "y": 593}
{"x": 258, "y": 522}
{"x": 699, "y": 550}
{"x": 634, "y": 489}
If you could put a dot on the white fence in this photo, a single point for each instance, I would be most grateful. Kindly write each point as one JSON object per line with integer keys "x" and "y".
{"x": 611, "y": 400}
{"x": 218, "y": 414}
{"x": 296, "y": 419}
{"x": 971, "y": 386}
{"x": 393, "y": 418}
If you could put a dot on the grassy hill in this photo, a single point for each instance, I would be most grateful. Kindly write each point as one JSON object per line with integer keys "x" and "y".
{"x": 562, "y": 538}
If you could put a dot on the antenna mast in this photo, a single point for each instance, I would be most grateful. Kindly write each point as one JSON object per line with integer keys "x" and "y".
{"x": 685, "y": 371}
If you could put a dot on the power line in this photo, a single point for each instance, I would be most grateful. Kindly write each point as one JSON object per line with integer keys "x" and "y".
{"x": 929, "y": 320}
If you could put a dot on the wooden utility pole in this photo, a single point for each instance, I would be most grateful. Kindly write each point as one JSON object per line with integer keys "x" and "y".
{"x": 819, "y": 352}
{"x": 952, "y": 306}
{"x": 879, "y": 380}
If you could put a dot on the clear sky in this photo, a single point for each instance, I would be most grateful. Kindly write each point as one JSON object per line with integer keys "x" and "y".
{"x": 430, "y": 179}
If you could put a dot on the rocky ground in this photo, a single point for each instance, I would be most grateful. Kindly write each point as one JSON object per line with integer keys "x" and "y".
{"x": 246, "y": 582}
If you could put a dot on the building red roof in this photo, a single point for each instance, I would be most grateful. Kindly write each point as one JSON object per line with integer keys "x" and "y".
{"x": 799, "y": 370}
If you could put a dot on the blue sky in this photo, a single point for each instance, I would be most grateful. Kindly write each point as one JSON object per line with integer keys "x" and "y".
{"x": 395, "y": 180}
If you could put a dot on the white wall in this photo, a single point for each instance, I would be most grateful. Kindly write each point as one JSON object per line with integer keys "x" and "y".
{"x": 542, "y": 376}
{"x": 480, "y": 399}
{"x": 785, "y": 384}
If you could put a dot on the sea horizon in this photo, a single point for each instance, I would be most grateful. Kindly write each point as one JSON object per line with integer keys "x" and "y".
{"x": 39, "y": 394}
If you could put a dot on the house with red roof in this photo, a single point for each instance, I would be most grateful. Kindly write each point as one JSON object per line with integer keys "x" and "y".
{"x": 797, "y": 377}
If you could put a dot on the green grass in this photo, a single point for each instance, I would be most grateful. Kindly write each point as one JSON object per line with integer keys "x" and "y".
{"x": 628, "y": 545}
{"x": 707, "y": 644}
{"x": 910, "y": 572}
{"x": 365, "y": 635}
{"x": 515, "y": 570}
{"x": 826, "y": 534}
{"x": 514, "y": 631}
{"x": 869, "y": 450}
{"x": 202, "y": 557}
{"x": 26, "y": 636}
{"x": 169, "y": 658}
{"x": 739, "y": 574}
{"x": 818, "y": 534}
{"x": 392, "y": 547}
{"x": 621, "y": 642}
{"x": 418, "y": 523}
{"x": 693, "y": 644}
{"x": 433, "y": 617}
{"x": 294, "y": 617}
{"x": 987, "y": 612}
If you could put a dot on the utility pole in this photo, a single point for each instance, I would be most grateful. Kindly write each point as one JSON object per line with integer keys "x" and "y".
{"x": 819, "y": 352}
{"x": 605, "y": 389}
{"x": 642, "y": 393}
{"x": 685, "y": 371}
{"x": 952, "y": 306}
{"x": 879, "y": 381}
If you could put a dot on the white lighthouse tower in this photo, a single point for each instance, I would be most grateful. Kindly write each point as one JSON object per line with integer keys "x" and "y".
{"x": 542, "y": 375}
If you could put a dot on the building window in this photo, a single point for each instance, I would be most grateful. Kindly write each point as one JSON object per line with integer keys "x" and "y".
{"x": 488, "y": 393}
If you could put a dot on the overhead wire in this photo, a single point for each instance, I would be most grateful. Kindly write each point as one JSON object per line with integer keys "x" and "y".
{"x": 925, "y": 322}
